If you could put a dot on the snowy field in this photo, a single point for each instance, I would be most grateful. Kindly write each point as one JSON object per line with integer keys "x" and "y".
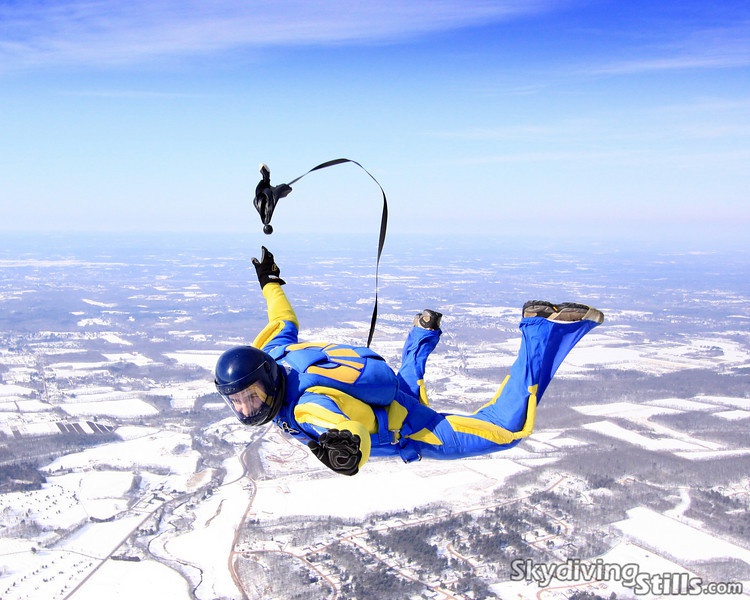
{"x": 103, "y": 495}
{"x": 677, "y": 540}
{"x": 385, "y": 485}
{"x": 659, "y": 438}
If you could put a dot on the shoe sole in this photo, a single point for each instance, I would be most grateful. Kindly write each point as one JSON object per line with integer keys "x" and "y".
{"x": 565, "y": 312}
{"x": 538, "y": 308}
{"x": 432, "y": 322}
{"x": 571, "y": 312}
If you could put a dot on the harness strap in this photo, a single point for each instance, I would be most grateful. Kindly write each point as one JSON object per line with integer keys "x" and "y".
{"x": 383, "y": 435}
{"x": 408, "y": 450}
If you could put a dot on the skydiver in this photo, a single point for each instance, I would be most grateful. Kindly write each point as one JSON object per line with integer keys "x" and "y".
{"x": 347, "y": 404}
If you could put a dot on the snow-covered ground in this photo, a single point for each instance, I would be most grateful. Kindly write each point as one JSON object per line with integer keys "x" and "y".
{"x": 384, "y": 485}
{"x": 60, "y": 537}
{"x": 165, "y": 450}
{"x": 659, "y": 438}
{"x": 676, "y": 539}
{"x": 102, "y": 495}
{"x": 124, "y": 580}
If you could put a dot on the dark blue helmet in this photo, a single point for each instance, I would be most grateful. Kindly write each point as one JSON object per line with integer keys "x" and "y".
{"x": 251, "y": 383}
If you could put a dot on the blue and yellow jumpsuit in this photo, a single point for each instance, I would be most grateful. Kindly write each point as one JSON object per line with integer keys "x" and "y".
{"x": 333, "y": 386}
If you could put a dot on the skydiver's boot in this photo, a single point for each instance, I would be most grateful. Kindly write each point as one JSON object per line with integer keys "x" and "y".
{"x": 428, "y": 319}
{"x": 565, "y": 312}
{"x": 570, "y": 311}
{"x": 538, "y": 308}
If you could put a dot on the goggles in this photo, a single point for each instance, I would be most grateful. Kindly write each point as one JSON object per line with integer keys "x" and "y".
{"x": 251, "y": 405}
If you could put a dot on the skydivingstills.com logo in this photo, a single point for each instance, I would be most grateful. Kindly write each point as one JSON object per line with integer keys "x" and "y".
{"x": 628, "y": 575}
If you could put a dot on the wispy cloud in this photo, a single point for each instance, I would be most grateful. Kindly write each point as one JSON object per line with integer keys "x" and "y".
{"x": 702, "y": 118}
{"x": 563, "y": 130}
{"x": 133, "y": 94}
{"x": 709, "y": 48}
{"x": 36, "y": 32}
{"x": 699, "y": 134}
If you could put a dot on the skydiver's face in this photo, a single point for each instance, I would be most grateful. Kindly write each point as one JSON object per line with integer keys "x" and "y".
{"x": 249, "y": 401}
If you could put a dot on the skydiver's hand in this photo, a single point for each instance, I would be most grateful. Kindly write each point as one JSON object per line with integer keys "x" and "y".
{"x": 267, "y": 270}
{"x": 338, "y": 450}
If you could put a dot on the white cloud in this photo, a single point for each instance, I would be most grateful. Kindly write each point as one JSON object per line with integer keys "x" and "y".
{"x": 710, "y": 48}
{"x": 108, "y": 32}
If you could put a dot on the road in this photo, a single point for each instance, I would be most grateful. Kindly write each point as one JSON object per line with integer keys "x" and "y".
{"x": 253, "y": 489}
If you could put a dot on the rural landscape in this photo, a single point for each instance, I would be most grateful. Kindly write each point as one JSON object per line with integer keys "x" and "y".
{"x": 123, "y": 473}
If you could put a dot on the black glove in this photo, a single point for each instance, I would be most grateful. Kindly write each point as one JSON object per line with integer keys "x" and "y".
{"x": 267, "y": 270}
{"x": 338, "y": 450}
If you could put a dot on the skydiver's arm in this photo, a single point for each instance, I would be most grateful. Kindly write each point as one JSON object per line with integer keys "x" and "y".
{"x": 282, "y": 321}
{"x": 282, "y": 325}
{"x": 278, "y": 305}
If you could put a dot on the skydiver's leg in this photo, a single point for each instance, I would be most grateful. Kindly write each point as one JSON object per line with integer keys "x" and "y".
{"x": 502, "y": 422}
{"x": 544, "y": 346}
{"x": 419, "y": 344}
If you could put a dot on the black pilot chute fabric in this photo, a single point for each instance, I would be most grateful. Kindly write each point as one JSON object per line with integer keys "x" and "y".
{"x": 267, "y": 196}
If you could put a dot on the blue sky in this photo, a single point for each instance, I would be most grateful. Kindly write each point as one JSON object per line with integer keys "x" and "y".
{"x": 547, "y": 116}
